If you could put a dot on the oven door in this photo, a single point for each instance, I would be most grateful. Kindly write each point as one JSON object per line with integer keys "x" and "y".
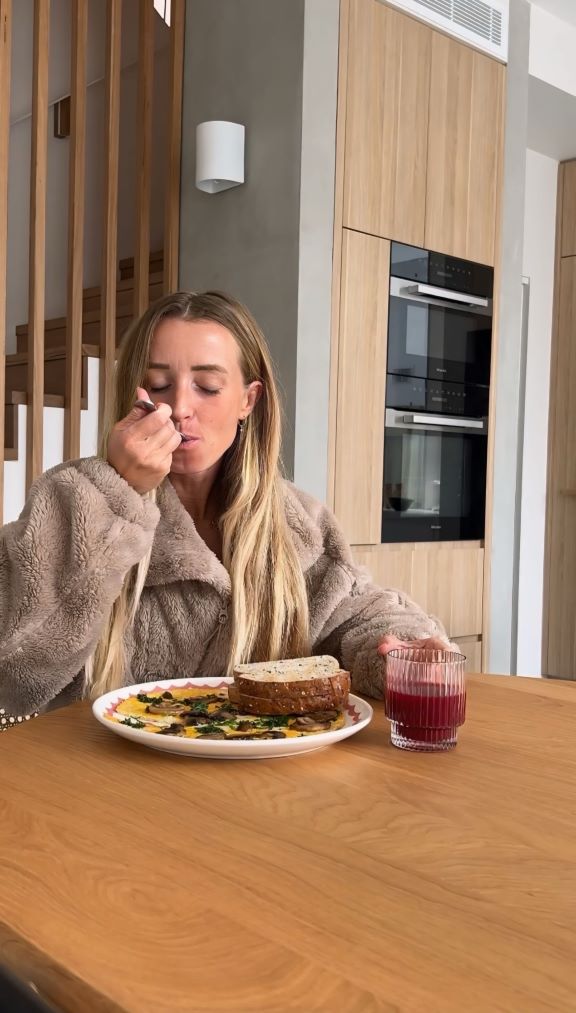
{"x": 436, "y": 337}
{"x": 434, "y": 478}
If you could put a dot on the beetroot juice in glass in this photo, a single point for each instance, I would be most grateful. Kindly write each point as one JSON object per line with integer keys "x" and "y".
{"x": 425, "y": 698}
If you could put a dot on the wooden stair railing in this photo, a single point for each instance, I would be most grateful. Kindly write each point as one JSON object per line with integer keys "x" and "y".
{"x": 93, "y": 317}
{"x": 5, "y": 66}
{"x": 54, "y": 376}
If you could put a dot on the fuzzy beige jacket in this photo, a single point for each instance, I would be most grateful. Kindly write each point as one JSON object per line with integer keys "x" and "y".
{"x": 63, "y": 561}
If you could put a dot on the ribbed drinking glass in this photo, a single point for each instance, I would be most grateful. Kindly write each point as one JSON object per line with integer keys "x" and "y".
{"x": 425, "y": 698}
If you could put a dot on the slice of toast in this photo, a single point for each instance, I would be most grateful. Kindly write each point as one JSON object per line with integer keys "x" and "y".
{"x": 291, "y": 686}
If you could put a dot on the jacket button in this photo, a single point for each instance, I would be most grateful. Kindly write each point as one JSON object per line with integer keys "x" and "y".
{"x": 222, "y": 616}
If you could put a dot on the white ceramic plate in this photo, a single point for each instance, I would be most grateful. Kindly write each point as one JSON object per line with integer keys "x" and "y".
{"x": 358, "y": 715}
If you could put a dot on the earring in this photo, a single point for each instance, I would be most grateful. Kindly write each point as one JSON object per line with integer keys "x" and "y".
{"x": 241, "y": 425}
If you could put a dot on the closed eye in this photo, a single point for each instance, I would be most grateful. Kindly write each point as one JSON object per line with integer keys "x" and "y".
{"x": 210, "y": 390}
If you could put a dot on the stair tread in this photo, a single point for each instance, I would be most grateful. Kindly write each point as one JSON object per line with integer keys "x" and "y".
{"x": 17, "y": 397}
{"x": 125, "y": 285}
{"x": 155, "y": 255}
{"x": 88, "y": 317}
{"x": 59, "y": 352}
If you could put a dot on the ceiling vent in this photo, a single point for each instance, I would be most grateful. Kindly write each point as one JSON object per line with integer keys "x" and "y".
{"x": 482, "y": 23}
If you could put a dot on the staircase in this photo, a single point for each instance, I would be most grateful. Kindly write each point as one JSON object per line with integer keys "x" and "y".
{"x": 54, "y": 380}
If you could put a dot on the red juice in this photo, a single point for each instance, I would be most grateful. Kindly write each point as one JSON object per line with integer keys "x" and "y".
{"x": 429, "y": 714}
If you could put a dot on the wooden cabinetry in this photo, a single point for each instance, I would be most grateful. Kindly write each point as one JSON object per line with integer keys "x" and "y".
{"x": 560, "y": 593}
{"x": 445, "y": 579}
{"x": 464, "y": 151}
{"x": 472, "y": 648}
{"x": 423, "y": 137}
{"x": 386, "y": 123}
{"x": 419, "y": 161}
{"x": 361, "y": 386}
{"x": 568, "y": 198}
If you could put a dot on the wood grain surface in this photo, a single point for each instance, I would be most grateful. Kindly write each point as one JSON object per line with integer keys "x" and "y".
{"x": 357, "y": 878}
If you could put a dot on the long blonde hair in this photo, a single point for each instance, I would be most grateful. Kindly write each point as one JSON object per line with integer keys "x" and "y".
{"x": 269, "y": 601}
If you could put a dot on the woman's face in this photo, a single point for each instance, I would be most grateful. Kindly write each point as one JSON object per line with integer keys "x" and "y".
{"x": 195, "y": 368}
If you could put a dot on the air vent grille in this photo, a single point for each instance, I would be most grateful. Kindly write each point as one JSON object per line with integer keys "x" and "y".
{"x": 483, "y": 23}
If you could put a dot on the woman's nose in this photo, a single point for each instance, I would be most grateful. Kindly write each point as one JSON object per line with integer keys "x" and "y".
{"x": 183, "y": 405}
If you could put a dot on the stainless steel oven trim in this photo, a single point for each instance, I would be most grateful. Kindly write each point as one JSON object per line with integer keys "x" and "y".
{"x": 397, "y": 419}
{"x": 430, "y": 295}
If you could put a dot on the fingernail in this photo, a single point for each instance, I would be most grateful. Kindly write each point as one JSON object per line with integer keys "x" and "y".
{"x": 148, "y": 406}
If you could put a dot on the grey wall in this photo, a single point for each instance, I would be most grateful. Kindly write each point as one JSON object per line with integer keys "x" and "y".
{"x": 244, "y": 62}
{"x": 504, "y": 542}
{"x": 320, "y": 82}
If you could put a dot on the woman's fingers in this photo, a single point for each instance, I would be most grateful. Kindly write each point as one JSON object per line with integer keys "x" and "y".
{"x": 141, "y": 445}
{"x": 390, "y": 643}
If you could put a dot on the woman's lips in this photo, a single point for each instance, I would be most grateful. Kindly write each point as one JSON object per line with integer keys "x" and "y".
{"x": 188, "y": 440}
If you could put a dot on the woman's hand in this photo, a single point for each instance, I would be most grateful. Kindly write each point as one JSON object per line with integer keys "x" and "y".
{"x": 141, "y": 445}
{"x": 390, "y": 643}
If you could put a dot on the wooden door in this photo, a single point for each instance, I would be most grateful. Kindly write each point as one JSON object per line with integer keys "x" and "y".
{"x": 444, "y": 578}
{"x": 569, "y": 209}
{"x": 465, "y": 138}
{"x": 560, "y": 586}
{"x": 386, "y": 123}
{"x": 361, "y": 386}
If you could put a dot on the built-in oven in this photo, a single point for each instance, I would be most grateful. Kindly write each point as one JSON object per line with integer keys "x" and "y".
{"x": 437, "y": 397}
{"x": 440, "y": 317}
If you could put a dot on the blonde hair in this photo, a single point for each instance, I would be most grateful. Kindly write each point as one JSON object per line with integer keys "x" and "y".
{"x": 269, "y": 602}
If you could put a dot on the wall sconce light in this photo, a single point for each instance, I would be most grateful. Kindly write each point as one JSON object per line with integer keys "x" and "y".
{"x": 219, "y": 155}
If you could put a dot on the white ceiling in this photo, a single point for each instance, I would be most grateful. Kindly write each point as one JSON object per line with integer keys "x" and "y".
{"x": 564, "y": 9}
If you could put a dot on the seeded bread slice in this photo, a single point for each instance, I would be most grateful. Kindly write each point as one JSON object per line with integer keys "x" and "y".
{"x": 286, "y": 705}
{"x": 292, "y": 686}
{"x": 289, "y": 669}
{"x": 336, "y": 686}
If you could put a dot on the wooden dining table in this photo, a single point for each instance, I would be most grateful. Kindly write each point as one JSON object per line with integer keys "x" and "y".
{"x": 351, "y": 879}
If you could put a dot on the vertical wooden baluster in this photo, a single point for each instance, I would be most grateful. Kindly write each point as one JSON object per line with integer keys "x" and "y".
{"x": 37, "y": 260}
{"x": 76, "y": 230}
{"x": 144, "y": 155}
{"x": 5, "y": 51}
{"x": 109, "y": 239}
{"x": 172, "y": 206}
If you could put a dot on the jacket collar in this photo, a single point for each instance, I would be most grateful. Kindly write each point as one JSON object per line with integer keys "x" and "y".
{"x": 179, "y": 553}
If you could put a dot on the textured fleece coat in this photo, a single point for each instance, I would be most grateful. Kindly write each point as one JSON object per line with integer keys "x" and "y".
{"x": 62, "y": 564}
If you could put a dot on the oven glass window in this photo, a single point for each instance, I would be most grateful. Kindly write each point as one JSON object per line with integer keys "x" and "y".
{"x": 434, "y": 485}
{"x": 438, "y": 342}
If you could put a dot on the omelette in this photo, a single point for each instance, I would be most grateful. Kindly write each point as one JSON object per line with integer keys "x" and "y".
{"x": 208, "y": 714}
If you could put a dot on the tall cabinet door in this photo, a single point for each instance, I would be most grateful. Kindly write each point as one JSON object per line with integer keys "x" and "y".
{"x": 560, "y": 599}
{"x": 386, "y": 123}
{"x": 464, "y": 151}
{"x": 361, "y": 386}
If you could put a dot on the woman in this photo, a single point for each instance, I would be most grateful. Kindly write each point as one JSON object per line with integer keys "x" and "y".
{"x": 180, "y": 551}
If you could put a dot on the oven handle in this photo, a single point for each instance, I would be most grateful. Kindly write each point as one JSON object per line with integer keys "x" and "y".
{"x": 435, "y": 423}
{"x": 443, "y": 420}
{"x": 447, "y": 294}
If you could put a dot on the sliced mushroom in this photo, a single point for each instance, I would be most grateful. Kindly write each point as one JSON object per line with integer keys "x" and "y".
{"x": 194, "y": 720}
{"x": 269, "y": 733}
{"x": 310, "y": 723}
{"x": 223, "y": 715}
{"x": 174, "y": 729}
{"x": 166, "y": 707}
{"x": 324, "y": 715}
{"x": 213, "y": 735}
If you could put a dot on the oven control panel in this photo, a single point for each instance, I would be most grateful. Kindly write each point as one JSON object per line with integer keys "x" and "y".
{"x": 413, "y": 392}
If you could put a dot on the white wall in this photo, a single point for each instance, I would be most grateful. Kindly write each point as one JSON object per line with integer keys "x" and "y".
{"x": 15, "y": 471}
{"x": 538, "y": 266}
{"x": 319, "y": 88}
{"x": 552, "y": 50}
